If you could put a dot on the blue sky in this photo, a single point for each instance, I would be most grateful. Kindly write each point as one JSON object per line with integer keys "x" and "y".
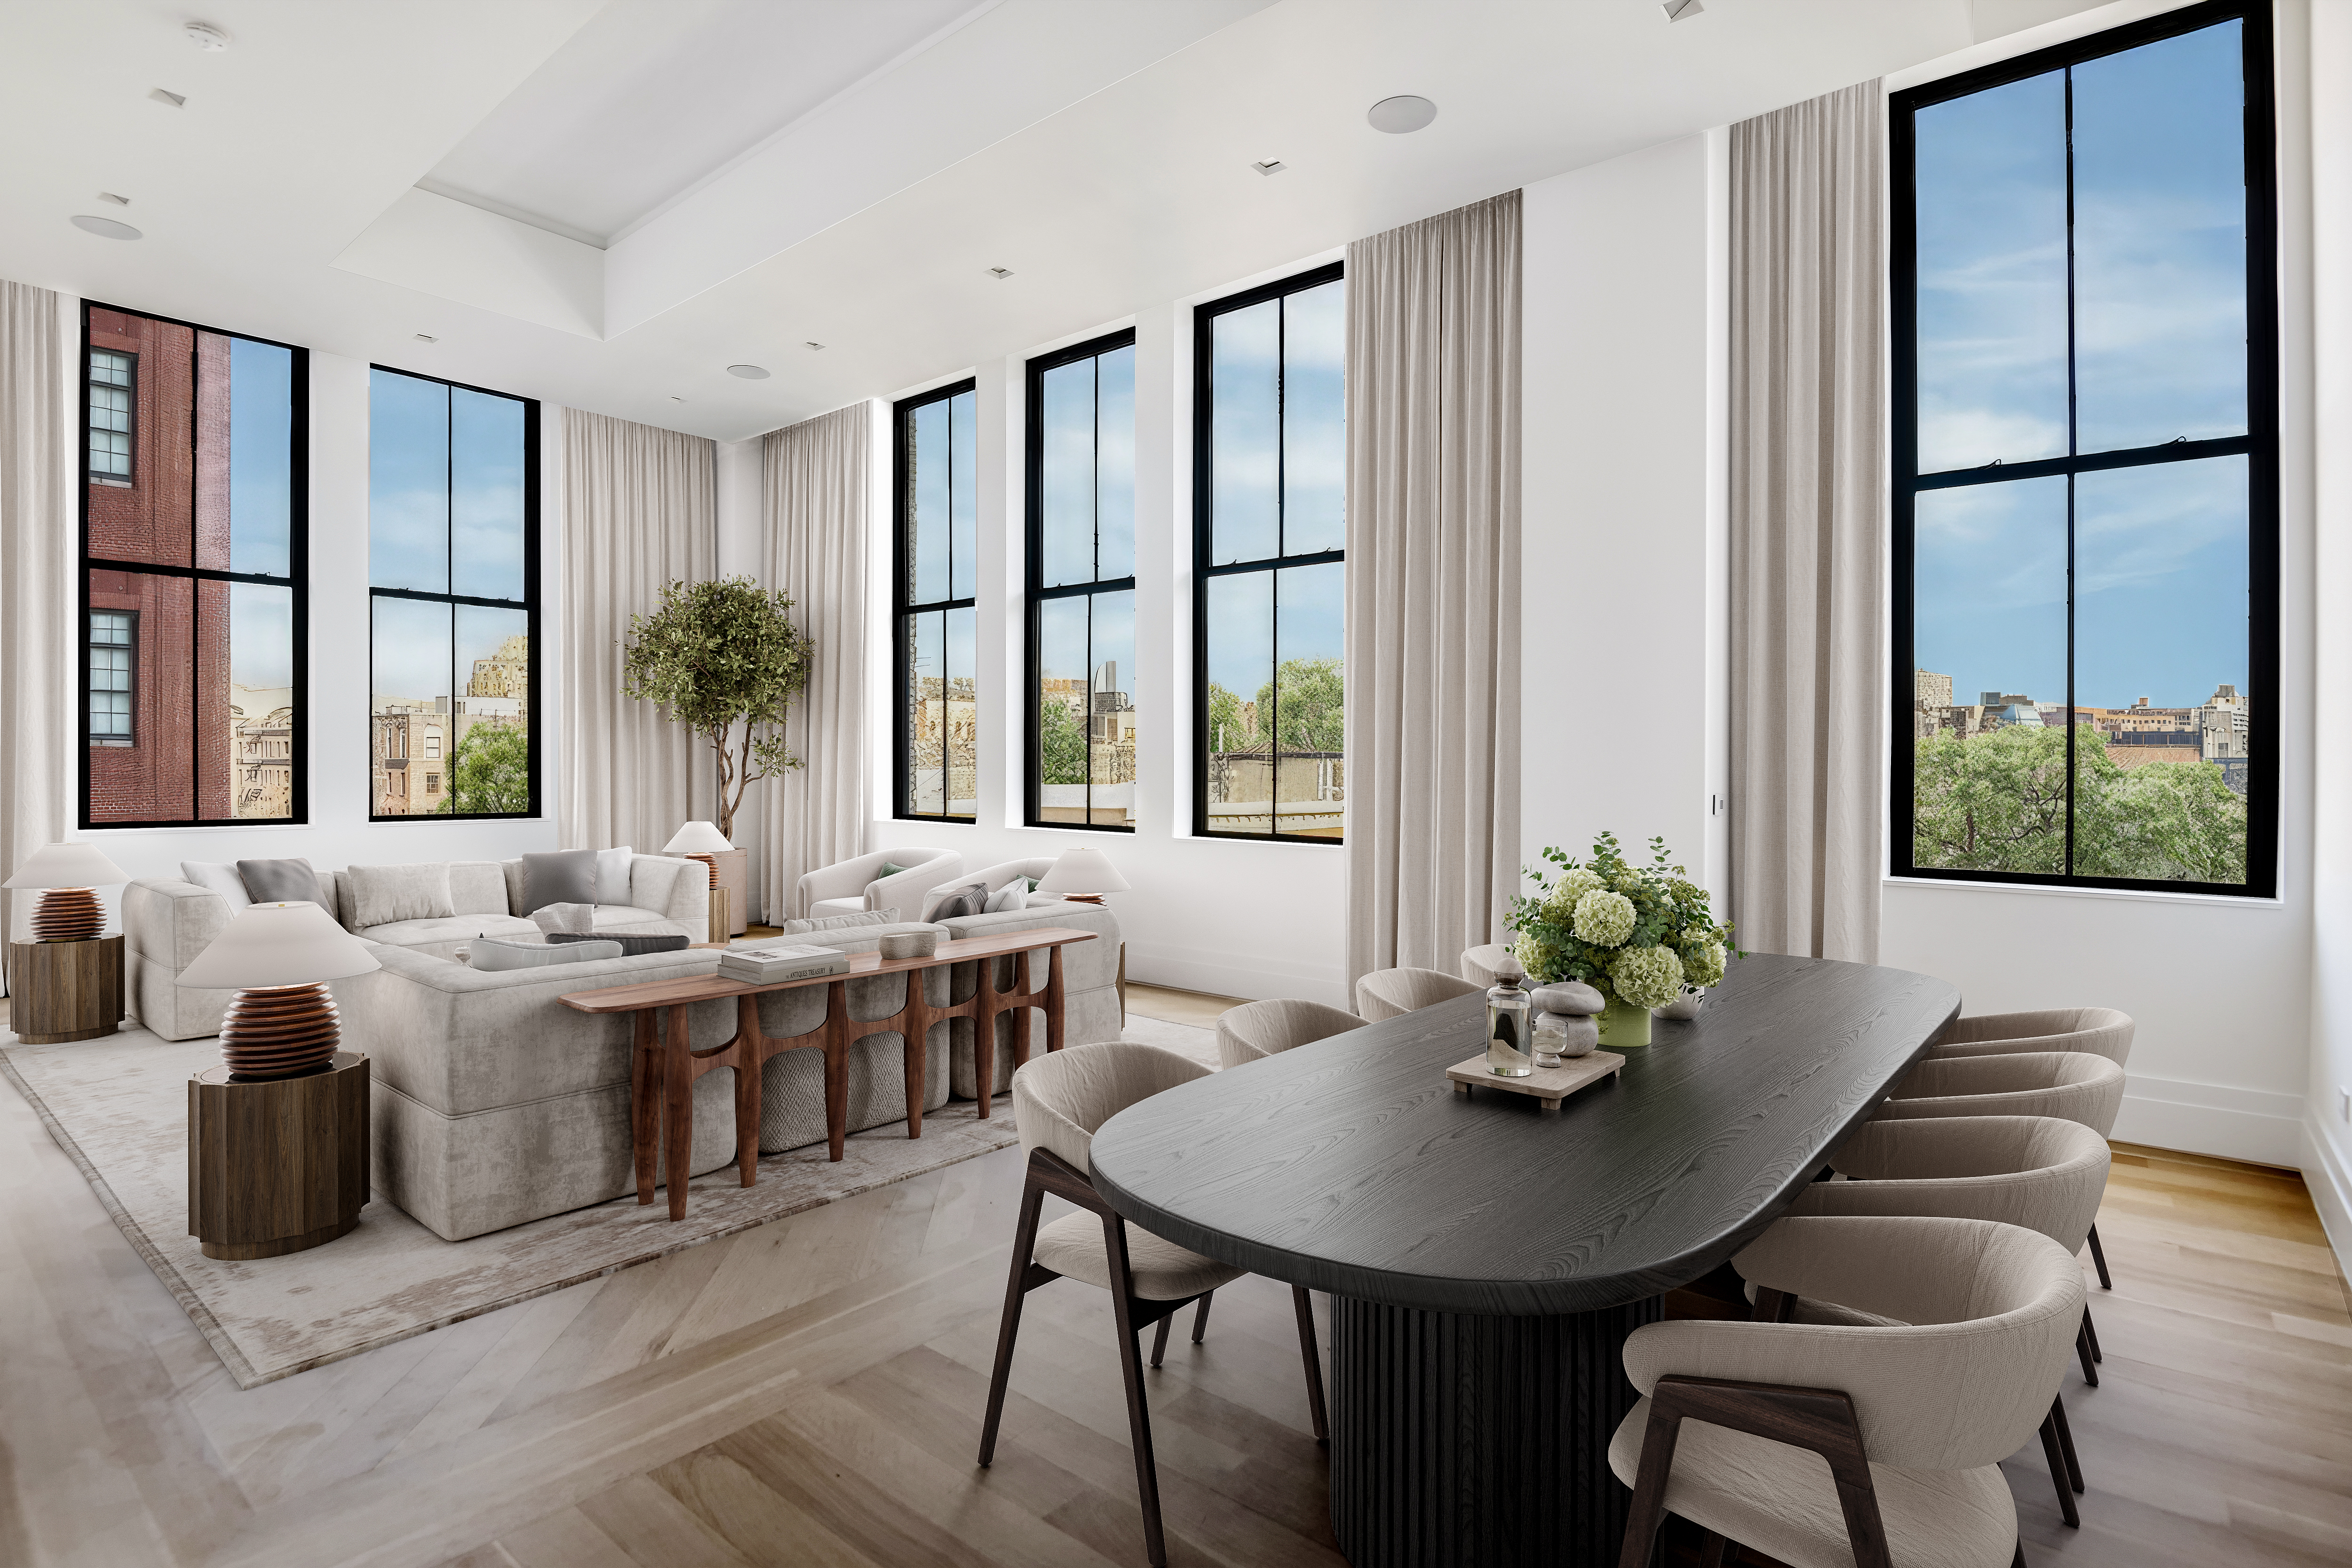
{"x": 2160, "y": 326}
{"x": 260, "y": 448}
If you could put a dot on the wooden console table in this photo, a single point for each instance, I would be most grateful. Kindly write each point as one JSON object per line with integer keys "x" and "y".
{"x": 664, "y": 1065}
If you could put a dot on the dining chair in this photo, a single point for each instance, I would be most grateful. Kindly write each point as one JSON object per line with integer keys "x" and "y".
{"x": 1912, "y": 1418}
{"x": 1483, "y": 967}
{"x": 1058, "y": 1101}
{"x": 1257, "y": 1029}
{"x": 2032, "y": 1171}
{"x": 1392, "y": 993}
{"x": 2102, "y": 1031}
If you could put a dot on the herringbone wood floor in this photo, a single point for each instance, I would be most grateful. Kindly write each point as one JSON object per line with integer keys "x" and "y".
{"x": 810, "y": 1394}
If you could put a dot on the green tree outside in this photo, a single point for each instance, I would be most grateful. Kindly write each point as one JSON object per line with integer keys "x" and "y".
{"x": 490, "y": 773}
{"x": 1061, "y": 744}
{"x": 1310, "y": 706}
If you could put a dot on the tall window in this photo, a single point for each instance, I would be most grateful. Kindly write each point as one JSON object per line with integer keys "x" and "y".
{"x": 1081, "y": 585}
{"x": 2085, "y": 453}
{"x": 193, "y": 547}
{"x": 453, "y": 558}
{"x": 1269, "y": 494}
{"x": 934, "y": 487}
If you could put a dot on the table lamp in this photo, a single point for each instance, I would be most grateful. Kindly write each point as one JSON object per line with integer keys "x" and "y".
{"x": 1084, "y": 875}
{"x": 70, "y": 910}
{"x": 700, "y": 841}
{"x": 274, "y": 957}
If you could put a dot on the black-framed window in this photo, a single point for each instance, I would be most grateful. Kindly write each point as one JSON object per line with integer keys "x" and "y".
{"x": 453, "y": 569}
{"x": 1269, "y": 530}
{"x": 934, "y": 509}
{"x": 1081, "y": 585}
{"x": 194, "y": 546}
{"x": 2085, "y": 443}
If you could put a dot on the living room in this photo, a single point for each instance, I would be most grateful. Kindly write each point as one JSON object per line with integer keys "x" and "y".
{"x": 686, "y": 825}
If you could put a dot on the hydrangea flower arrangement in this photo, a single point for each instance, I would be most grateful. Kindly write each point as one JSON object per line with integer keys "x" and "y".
{"x": 1638, "y": 934}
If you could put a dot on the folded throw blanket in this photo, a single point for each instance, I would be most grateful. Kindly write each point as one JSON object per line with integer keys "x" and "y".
{"x": 553, "y": 918}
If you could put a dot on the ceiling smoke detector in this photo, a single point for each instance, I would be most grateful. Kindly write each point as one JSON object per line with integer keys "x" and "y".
{"x": 1000, "y": 273}
{"x": 208, "y": 37}
{"x": 748, "y": 372}
{"x": 1400, "y": 114}
{"x": 1676, "y": 10}
{"x": 1269, "y": 166}
{"x": 104, "y": 227}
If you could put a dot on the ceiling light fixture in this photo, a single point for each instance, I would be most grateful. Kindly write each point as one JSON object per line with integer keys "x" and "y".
{"x": 110, "y": 196}
{"x": 813, "y": 345}
{"x": 1000, "y": 273}
{"x": 748, "y": 372}
{"x": 1400, "y": 114}
{"x": 1676, "y": 10}
{"x": 674, "y": 397}
{"x": 104, "y": 227}
{"x": 427, "y": 338}
{"x": 166, "y": 96}
{"x": 208, "y": 37}
{"x": 1269, "y": 166}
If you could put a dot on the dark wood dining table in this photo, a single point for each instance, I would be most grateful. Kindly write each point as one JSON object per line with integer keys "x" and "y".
{"x": 1485, "y": 1258}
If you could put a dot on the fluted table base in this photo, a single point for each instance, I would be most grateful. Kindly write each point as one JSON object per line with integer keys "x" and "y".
{"x": 1460, "y": 1441}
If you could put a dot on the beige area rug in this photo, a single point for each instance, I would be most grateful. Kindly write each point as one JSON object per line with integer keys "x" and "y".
{"x": 120, "y": 1107}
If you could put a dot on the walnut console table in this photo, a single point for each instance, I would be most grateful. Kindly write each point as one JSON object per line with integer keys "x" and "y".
{"x": 664, "y": 1065}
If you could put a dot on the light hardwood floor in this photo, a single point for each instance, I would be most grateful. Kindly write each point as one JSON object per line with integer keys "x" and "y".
{"x": 810, "y": 1394}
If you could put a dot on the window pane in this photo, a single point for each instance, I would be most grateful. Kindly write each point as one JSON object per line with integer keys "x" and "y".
{"x": 1241, "y": 686}
{"x": 1065, "y": 477}
{"x": 1110, "y": 710}
{"x": 1245, "y": 428}
{"x": 486, "y": 494}
{"x": 927, "y": 503}
{"x": 260, "y": 454}
{"x": 2160, "y": 242}
{"x": 962, "y": 756}
{"x": 1991, "y": 197}
{"x": 1062, "y": 702}
{"x": 489, "y": 767}
{"x": 1310, "y": 612}
{"x": 1313, "y": 420}
{"x": 1115, "y": 467}
{"x": 943, "y": 775}
{"x": 411, "y": 706}
{"x": 963, "y": 500}
{"x": 408, "y": 482}
{"x": 261, "y": 711}
{"x": 145, "y": 697}
{"x": 1988, "y": 766}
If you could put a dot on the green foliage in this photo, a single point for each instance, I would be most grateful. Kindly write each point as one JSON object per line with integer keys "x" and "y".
{"x": 1664, "y": 928}
{"x": 1226, "y": 730}
{"x": 1998, "y": 802}
{"x": 719, "y": 655}
{"x": 490, "y": 773}
{"x": 1061, "y": 742}
{"x": 1309, "y": 707}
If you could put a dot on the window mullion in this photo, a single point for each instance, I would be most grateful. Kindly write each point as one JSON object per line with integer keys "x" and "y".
{"x": 2073, "y": 450}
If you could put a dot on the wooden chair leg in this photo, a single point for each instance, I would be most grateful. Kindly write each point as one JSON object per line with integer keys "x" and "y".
{"x": 2099, "y": 1260}
{"x": 2017, "y": 1559}
{"x": 2083, "y": 1352}
{"x": 1201, "y": 1317}
{"x": 2066, "y": 1441}
{"x": 1711, "y": 1549}
{"x": 1138, "y": 1416}
{"x": 1160, "y": 1338}
{"x": 2091, "y": 1331}
{"x": 2058, "y": 1479}
{"x": 1307, "y": 1350}
{"x": 1025, "y": 1238}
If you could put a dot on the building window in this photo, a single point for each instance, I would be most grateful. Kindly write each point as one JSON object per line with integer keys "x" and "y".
{"x": 934, "y": 489}
{"x": 2086, "y": 464}
{"x": 453, "y": 561}
{"x": 1081, "y": 585}
{"x": 194, "y": 571}
{"x": 113, "y": 394}
{"x": 1269, "y": 496}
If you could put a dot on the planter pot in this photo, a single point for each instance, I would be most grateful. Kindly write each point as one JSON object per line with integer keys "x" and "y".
{"x": 1624, "y": 1025}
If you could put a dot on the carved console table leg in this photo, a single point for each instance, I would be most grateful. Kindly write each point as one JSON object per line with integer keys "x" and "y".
{"x": 751, "y": 1054}
{"x": 836, "y": 1066}
{"x": 645, "y": 1100}
{"x": 677, "y": 1107}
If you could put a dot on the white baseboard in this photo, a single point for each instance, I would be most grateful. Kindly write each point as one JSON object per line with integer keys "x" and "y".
{"x": 2213, "y": 1118}
{"x": 2330, "y": 1184}
{"x": 1247, "y": 975}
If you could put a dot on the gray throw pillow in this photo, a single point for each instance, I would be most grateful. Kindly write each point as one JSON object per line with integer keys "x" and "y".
{"x": 283, "y": 882}
{"x": 502, "y": 952}
{"x": 953, "y": 903}
{"x": 837, "y": 922}
{"x": 630, "y": 945}
{"x": 559, "y": 877}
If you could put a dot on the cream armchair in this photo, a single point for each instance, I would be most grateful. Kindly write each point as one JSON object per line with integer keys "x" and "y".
{"x": 1255, "y": 1030}
{"x": 2102, "y": 1031}
{"x": 854, "y": 887}
{"x": 1392, "y": 993}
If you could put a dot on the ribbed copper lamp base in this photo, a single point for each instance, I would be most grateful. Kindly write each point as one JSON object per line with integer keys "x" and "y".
{"x": 283, "y": 1031}
{"x": 712, "y": 861}
{"x": 67, "y": 914}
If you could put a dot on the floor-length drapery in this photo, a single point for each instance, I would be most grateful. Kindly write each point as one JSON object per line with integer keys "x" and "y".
{"x": 38, "y": 549}
{"x": 816, "y": 492}
{"x": 1808, "y": 510}
{"x": 1432, "y": 636}
{"x": 640, "y": 510}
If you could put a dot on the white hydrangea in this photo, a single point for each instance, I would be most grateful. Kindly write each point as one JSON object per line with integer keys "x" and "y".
{"x": 1570, "y": 889}
{"x": 1702, "y": 964}
{"x": 1646, "y": 977}
{"x": 1604, "y": 919}
{"x": 1539, "y": 959}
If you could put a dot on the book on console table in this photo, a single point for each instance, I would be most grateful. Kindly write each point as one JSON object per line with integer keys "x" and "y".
{"x": 773, "y": 963}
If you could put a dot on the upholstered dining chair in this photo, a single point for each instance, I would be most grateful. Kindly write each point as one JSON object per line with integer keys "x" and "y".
{"x": 1257, "y": 1029}
{"x": 2102, "y": 1031}
{"x": 1913, "y": 1417}
{"x": 2033, "y": 1171}
{"x": 1058, "y": 1101}
{"x": 1392, "y": 993}
{"x": 1483, "y": 967}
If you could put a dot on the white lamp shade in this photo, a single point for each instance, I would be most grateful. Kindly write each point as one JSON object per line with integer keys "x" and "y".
{"x": 278, "y": 944}
{"x": 697, "y": 839}
{"x": 67, "y": 866}
{"x": 1083, "y": 871}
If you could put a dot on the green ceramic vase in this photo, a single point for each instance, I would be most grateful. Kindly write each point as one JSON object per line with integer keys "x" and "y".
{"x": 1622, "y": 1025}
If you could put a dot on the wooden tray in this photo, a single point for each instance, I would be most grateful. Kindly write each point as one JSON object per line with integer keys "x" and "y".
{"x": 1548, "y": 1085}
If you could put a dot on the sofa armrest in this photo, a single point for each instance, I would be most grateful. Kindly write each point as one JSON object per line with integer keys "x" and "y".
{"x": 165, "y": 923}
{"x": 675, "y": 889}
{"x": 904, "y": 892}
{"x": 846, "y": 879}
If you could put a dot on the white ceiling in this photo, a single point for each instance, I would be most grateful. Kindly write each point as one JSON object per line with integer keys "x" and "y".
{"x": 766, "y": 173}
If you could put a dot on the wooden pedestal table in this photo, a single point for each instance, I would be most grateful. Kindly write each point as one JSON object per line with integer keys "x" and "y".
{"x": 65, "y": 990}
{"x": 664, "y": 1065}
{"x": 278, "y": 1165}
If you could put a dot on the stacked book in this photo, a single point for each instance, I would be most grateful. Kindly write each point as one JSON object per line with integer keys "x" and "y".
{"x": 772, "y": 964}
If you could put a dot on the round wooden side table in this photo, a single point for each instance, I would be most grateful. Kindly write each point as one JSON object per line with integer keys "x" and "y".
{"x": 279, "y": 1166}
{"x": 65, "y": 990}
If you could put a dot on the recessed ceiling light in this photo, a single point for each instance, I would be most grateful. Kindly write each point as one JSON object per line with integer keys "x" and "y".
{"x": 748, "y": 372}
{"x": 1401, "y": 113}
{"x": 1000, "y": 273}
{"x": 167, "y": 97}
{"x": 1676, "y": 10}
{"x": 1269, "y": 166}
{"x": 110, "y": 196}
{"x": 427, "y": 338}
{"x": 104, "y": 227}
{"x": 206, "y": 36}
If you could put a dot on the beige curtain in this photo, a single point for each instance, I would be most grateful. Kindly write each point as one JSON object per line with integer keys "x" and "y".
{"x": 640, "y": 510}
{"x": 816, "y": 498}
{"x": 1808, "y": 496}
{"x": 37, "y": 552}
{"x": 1433, "y": 640}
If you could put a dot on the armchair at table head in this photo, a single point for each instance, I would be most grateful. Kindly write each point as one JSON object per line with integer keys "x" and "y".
{"x": 1392, "y": 993}
{"x": 1483, "y": 967}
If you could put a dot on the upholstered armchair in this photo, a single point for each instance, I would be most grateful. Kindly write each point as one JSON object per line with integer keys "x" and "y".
{"x": 855, "y": 886}
{"x": 1392, "y": 993}
{"x": 1258, "y": 1029}
{"x": 2101, "y": 1031}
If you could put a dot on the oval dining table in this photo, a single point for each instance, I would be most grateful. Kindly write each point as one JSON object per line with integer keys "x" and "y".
{"x": 1485, "y": 1258}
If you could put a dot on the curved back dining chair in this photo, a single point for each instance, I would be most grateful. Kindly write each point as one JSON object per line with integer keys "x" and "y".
{"x": 1912, "y": 1418}
{"x": 1394, "y": 992}
{"x": 2072, "y": 1085}
{"x": 1483, "y": 967}
{"x": 1257, "y": 1029}
{"x": 1058, "y": 1101}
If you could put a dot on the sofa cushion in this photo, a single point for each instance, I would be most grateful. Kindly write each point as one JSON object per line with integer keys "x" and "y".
{"x": 629, "y": 917}
{"x": 453, "y": 928}
{"x": 494, "y": 952}
{"x": 613, "y": 875}
{"x": 222, "y": 879}
{"x": 279, "y": 881}
{"x": 954, "y": 900}
{"x": 559, "y": 877}
{"x": 383, "y": 894}
{"x": 836, "y": 922}
{"x": 826, "y": 909}
{"x": 630, "y": 943}
{"x": 477, "y": 887}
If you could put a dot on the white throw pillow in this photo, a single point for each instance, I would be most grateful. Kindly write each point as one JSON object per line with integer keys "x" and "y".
{"x": 221, "y": 880}
{"x": 1014, "y": 895}
{"x": 382, "y": 894}
{"x": 613, "y": 875}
